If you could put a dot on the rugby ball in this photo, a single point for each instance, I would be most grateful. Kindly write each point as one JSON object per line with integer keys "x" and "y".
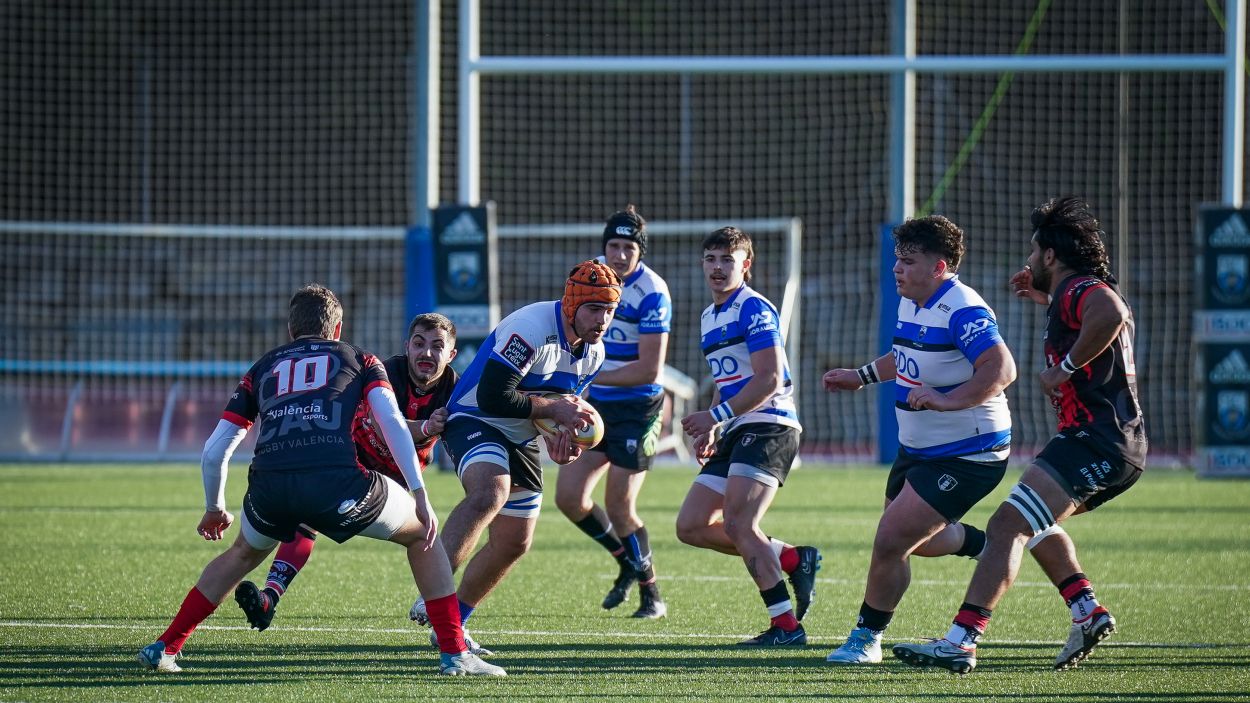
{"x": 587, "y": 438}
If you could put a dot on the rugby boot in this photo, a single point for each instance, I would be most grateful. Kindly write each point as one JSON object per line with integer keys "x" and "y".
{"x": 620, "y": 587}
{"x": 1083, "y": 637}
{"x": 862, "y": 646}
{"x": 258, "y": 605}
{"x": 777, "y": 637}
{"x": 154, "y": 658}
{"x": 651, "y": 606}
{"x": 467, "y": 664}
{"x": 803, "y": 579}
{"x": 942, "y": 653}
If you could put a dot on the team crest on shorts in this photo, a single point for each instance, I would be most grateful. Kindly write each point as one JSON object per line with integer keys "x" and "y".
{"x": 631, "y": 445}
{"x": 748, "y": 440}
{"x": 947, "y": 482}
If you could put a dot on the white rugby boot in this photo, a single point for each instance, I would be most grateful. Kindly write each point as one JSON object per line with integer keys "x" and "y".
{"x": 943, "y": 653}
{"x": 467, "y": 664}
{"x": 862, "y": 646}
{"x": 154, "y": 658}
{"x": 1083, "y": 637}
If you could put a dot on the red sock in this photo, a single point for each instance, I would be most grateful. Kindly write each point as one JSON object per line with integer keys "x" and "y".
{"x": 786, "y": 621}
{"x": 195, "y": 609}
{"x": 445, "y": 619}
{"x": 291, "y": 557}
{"x": 789, "y": 559}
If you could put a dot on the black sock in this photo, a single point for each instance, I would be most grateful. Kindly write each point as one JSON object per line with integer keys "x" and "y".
{"x": 599, "y": 528}
{"x": 873, "y": 619}
{"x": 638, "y": 549}
{"x": 974, "y": 541}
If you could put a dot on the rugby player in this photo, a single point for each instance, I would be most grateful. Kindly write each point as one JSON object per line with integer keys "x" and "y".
{"x": 422, "y": 382}
{"x": 548, "y": 347}
{"x": 1099, "y": 452}
{"x": 629, "y": 397}
{"x": 950, "y": 366}
{"x": 749, "y": 439}
{"x": 304, "y": 472}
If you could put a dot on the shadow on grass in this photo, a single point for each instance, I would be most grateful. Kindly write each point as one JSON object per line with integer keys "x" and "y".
{"x": 50, "y": 667}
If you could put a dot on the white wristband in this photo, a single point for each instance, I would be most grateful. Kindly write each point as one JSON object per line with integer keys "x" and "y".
{"x": 1067, "y": 365}
{"x": 424, "y": 431}
{"x": 722, "y": 412}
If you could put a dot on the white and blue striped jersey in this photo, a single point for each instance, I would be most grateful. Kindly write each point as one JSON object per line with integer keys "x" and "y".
{"x": 645, "y": 308}
{"x": 745, "y": 323}
{"x": 935, "y": 345}
{"x": 531, "y": 341}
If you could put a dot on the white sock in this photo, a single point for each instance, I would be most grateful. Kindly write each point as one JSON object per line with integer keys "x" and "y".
{"x": 1082, "y": 607}
{"x": 961, "y": 636}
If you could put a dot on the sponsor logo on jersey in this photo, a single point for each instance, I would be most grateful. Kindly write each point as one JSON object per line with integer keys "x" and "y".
{"x": 346, "y": 506}
{"x": 748, "y": 440}
{"x": 552, "y": 339}
{"x": 656, "y": 315}
{"x": 1231, "y": 233}
{"x": 973, "y": 329}
{"x": 517, "y": 351}
{"x": 923, "y": 331}
{"x": 762, "y": 321}
{"x": 944, "y": 307}
{"x": 947, "y": 482}
{"x": 475, "y": 435}
{"x": 1231, "y": 369}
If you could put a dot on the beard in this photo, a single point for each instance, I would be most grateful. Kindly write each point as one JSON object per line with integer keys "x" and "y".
{"x": 420, "y": 376}
{"x": 590, "y": 331}
{"x": 1041, "y": 280}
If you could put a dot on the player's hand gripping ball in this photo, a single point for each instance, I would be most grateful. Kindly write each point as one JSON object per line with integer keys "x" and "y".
{"x": 586, "y": 438}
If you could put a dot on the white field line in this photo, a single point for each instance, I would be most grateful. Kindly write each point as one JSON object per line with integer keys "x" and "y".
{"x": 1098, "y": 585}
{"x": 658, "y": 637}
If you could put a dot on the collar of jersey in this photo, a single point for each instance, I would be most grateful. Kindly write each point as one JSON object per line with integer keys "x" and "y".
{"x": 937, "y": 294}
{"x": 718, "y": 309}
{"x": 633, "y": 276}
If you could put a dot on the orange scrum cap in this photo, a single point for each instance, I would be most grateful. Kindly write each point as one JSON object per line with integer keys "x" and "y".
{"x": 589, "y": 282}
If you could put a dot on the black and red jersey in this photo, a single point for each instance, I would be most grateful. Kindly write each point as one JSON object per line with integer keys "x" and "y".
{"x": 371, "y": 449}
{"x": 1100, "y": 399}
{"x": 303, "y": 396}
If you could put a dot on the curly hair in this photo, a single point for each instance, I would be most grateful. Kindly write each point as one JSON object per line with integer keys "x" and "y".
{"x": 1067, "y": 226}
{"x": 932, "y": 235}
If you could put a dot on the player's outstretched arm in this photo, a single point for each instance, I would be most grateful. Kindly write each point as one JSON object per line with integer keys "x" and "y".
{"x": 395, "y": 431}
{"x": 876, "y": 371}
{"x": 214, "y": 464}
